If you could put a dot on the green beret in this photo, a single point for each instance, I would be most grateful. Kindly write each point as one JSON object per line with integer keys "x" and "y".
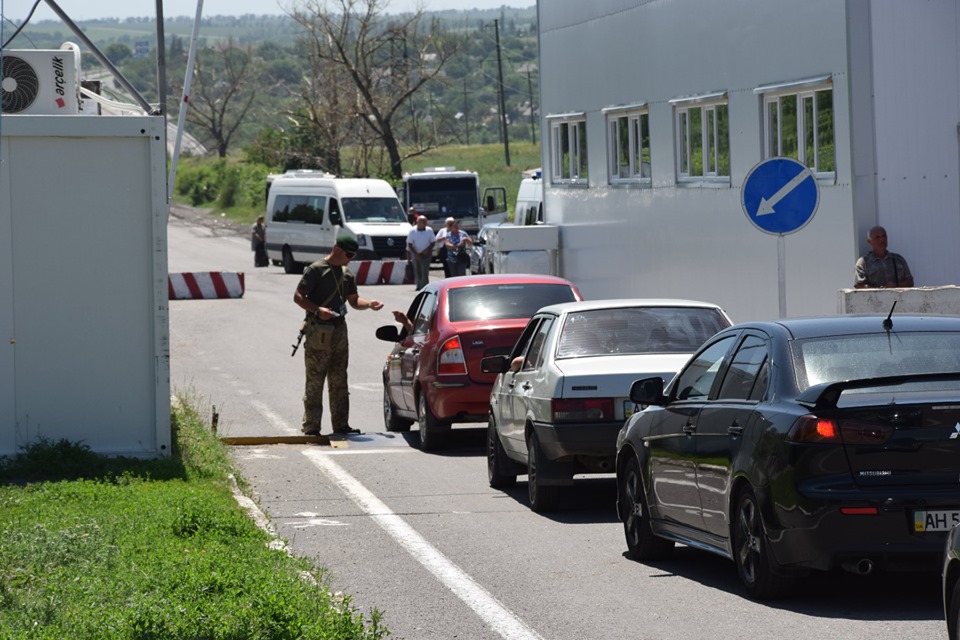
{"x": 347, "y": 242}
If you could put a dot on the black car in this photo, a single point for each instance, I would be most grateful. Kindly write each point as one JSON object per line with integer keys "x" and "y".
{"x": 798, "y": 445}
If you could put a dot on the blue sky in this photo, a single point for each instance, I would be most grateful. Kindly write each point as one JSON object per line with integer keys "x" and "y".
{"x": 17, "y": 10}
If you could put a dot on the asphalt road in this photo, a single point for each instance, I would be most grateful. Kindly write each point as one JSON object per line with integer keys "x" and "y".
{"x": 423, "y": 539}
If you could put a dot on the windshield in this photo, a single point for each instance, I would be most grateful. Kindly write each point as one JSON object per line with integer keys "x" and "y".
{"x": 501, "y": 301}
{"x": 438, "y": 198}
{"x": 372, "y": 210}
{"x": 840, "y": 358}
{"x": 634, "y": 330}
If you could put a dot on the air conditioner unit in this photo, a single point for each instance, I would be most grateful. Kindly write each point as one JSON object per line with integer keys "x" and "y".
{"x": 41, "y": 81}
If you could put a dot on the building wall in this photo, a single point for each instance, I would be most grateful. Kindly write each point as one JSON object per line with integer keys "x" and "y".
{"x": 83, "y": 284}
{"x": 917, "y": 104}
{"x": 696, "y": 242}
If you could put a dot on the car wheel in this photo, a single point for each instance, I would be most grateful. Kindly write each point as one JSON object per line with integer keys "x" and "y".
{"x": 432, "y": 431}
{"x": 289, "y": 264}
{"x": 642, "y": 544}
{"x": 542, "y": 497}
{"x": 953, "y": 614}
{"x": 498, "y": 465}
{"x": 756, "y": 565}
{"x": 390, "y": 419}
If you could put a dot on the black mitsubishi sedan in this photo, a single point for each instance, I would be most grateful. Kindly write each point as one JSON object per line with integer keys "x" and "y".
{"x": 798, "y": 445}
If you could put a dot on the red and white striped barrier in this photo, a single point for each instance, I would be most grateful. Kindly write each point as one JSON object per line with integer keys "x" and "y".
{"x": 381, "y": 272}
{"x": 205, "y": 285}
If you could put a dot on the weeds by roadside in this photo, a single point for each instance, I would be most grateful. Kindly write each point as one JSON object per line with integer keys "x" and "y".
{"x": 98, "y": 547}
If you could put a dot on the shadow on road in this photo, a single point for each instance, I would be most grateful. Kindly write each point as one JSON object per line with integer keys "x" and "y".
{"x": 834, "y": 594}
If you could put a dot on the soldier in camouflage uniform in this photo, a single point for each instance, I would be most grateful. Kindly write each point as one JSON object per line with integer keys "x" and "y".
{"x": 324, "y": 291}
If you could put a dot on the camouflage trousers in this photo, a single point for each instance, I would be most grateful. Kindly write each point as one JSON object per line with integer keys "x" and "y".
{"x": 326, "y": 363}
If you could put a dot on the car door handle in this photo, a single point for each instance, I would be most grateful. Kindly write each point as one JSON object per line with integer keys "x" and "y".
{"x": 735, "y": 429}
{"x": 690, "y": 428}
{"x": 526, "y": 386}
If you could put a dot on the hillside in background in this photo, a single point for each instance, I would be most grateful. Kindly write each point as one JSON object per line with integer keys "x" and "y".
{"x": 461, "y": 108}
{"x": 250, "y": 29}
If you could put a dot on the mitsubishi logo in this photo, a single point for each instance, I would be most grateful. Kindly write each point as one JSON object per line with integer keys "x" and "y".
{"x": 956, "y": 432}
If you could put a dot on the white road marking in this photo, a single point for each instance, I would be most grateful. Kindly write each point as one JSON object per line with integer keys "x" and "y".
{"x": 273, "y": 418}
{"x": 483, "y": 603}
{"x": 318, "y": 522}
{"x": 370, "y": 387}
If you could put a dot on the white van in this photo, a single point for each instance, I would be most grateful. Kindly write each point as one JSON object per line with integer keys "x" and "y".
{"x": 306, "y": 210}
{"x": 529, "y": 209}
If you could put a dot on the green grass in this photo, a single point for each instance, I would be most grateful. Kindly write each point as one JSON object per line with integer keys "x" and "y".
{"x": 200, "y": 180}
{"x": 102, "y": 548}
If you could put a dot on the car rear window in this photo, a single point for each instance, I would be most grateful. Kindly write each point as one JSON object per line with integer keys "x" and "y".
{"x": 839, "y": 358}
{"x": 632, "y": 330}
{"x": 502, "y": 301}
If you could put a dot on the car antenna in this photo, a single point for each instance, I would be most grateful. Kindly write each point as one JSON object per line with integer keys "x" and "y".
{"x": 888, "y": 323}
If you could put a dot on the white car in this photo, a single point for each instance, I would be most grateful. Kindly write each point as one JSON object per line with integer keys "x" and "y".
{"x": 561, "y": 396}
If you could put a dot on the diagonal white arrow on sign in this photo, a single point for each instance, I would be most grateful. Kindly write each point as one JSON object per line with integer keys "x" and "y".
{"x": 767, "y": 204}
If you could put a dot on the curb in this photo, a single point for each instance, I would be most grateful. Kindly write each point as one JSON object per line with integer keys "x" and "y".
{"x": 205, "y": 285}
{"x": 382, "y": 271}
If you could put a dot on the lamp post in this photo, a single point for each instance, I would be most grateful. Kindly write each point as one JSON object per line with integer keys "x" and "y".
{"x": 503, "y": 108}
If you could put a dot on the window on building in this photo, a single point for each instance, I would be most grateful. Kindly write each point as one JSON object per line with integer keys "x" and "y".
{"x": 628, "y": 144}
{"x": 568, "y": 149}
{"x": 703, "y": 138}
{"x": 798, "y": 123}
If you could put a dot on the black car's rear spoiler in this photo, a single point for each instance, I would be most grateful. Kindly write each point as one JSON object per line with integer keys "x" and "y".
{"x": 826, "y": 395}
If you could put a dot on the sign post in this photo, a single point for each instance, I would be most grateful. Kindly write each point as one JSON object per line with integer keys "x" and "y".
{"x": 779, "y": 197}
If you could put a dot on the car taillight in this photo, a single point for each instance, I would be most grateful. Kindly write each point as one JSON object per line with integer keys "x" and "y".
{"x": 450, "y": 361}
{"x": 581, "y": 409}
{"x": 810, "y": 428}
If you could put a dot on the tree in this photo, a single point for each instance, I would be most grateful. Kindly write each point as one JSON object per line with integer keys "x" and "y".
{"x": 117, "y": 53}
{"x": 226, "y": 82}
{"x": 379, "y": 63}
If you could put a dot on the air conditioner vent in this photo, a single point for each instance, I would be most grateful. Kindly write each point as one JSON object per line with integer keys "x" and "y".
{"x": 20, "y": 84}
{"x": 40, "y": 82}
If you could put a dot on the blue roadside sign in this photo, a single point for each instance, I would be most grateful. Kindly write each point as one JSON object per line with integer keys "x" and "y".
{"x": 780, "y": 196}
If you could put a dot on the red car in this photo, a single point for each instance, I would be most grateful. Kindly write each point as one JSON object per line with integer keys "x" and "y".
{"x": 433, "y": 374}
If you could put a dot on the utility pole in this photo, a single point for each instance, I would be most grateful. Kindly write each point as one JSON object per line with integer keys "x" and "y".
{"x": 466, "y": 116}
{"x": 503, "y": 107}
{"x": 533, "y": 126}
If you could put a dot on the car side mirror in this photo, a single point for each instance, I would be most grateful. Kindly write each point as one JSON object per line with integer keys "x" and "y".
{"x": 336, "y": 219}
{"x": 388, "y": 333}
{"x": 494, "y": 364}
{"x": 647, "y": 391}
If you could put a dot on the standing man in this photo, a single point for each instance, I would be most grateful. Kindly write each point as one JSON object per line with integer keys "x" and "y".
{"x": 324, "y": 290}
{"x": 458, "y": 243}
{"x": 442, "y": 241}
{"x": 258, "y": 242}
{"x": 879, "y": 268}
{"x": 420, "y": 243}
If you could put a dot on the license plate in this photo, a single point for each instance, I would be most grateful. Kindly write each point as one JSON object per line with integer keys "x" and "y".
{"x": 942, "y": 520}
{"x": 628, "y": 409}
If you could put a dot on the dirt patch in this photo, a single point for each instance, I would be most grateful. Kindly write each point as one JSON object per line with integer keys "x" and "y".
{"x": 210, "y": 218}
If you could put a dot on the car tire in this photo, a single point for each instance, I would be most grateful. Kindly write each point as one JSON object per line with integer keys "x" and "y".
{"x": 757, "y": 567}
{"x": 390, "y": 418}
{"x": 289, "y": 264}
{"x": 498, "y": 464}
{"x": 642, "y": 543}
{"x": 432, "y": 431}
{"x": 542, "y": 497}
{"x": 953, "y": 614}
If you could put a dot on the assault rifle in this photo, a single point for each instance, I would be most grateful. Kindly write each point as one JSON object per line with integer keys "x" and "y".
{"x": 296, "y": 346}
